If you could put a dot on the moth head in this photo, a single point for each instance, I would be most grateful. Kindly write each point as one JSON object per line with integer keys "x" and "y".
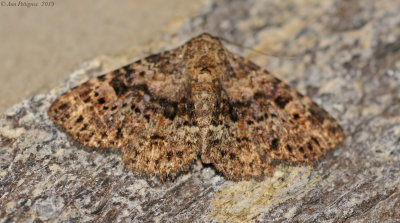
{"x": 205, "y": 52}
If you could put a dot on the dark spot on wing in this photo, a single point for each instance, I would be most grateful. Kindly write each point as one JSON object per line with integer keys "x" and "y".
{"x": 119, "y": 133}
{"x": 119, "y": 86}
{"x": 289, "y": 148}
{"x": 137, "y": 110}
{"x": 80, "y": 119}
{"x": 169, "y": 155}
{"x": 179, "y": 154}
{"x": 170, "y": 108}
{"x": 233, "y": 115}
{"x": 141, "y": 87}
{"x": 317, "y": 113}
{"x": 223, "y": 153}
{"x": 153, "y": 58}
{"x": 215, "y": 142}
{"x": 84, "y": 127}
{"x": 241, "y": 139}
{"x": 155, "y": 136}
{"x": 282, "y": 101}
{"x": 274, "y": 144}
{"x": 101, "y": 101}
{"x": 259, "y": 95}
{"x": 310, "y": 147}
{"x": 315, "y": 140}
{"x": 101, "y": 77}
{"x": 63, "y": 106}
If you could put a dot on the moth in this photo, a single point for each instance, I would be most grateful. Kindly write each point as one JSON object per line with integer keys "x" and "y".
{"x": 196, "y": 102}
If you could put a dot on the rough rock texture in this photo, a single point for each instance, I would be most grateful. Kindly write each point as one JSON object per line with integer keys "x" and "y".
{"x": 343, "y": 54}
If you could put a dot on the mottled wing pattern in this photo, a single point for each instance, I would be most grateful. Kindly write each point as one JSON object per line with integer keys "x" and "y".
{"x": 262, "y": 120}
{"x": 166, "y": 110}
{"x": 127, "y": 109}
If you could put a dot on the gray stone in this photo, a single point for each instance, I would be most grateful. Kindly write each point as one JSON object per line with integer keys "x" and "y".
{"x": 343, "y": 54}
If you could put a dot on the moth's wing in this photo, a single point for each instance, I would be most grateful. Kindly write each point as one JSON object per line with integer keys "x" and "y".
{"x": 140, "y": 108}
{"x": 265, "y": 120}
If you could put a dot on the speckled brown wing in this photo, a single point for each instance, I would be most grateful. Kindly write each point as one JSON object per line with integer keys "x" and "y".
{"x": 262, "y": 120}
{"x": 165, "y": 110}
{"x": 140, "y": 108}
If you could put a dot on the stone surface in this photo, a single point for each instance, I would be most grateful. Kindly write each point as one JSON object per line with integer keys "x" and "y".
{"x": 343, "y": 54}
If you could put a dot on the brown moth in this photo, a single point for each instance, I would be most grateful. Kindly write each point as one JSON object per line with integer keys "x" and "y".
{"x": 198, "y": 101}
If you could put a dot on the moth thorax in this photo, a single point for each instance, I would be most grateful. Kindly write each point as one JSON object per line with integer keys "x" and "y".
{"x": 205, "y": 96}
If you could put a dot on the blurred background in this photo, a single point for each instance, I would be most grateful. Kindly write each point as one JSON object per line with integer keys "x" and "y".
{"x": 41, "y": 46}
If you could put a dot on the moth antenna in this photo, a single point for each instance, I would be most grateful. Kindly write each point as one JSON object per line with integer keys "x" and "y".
{"x": 278, "y": 56}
